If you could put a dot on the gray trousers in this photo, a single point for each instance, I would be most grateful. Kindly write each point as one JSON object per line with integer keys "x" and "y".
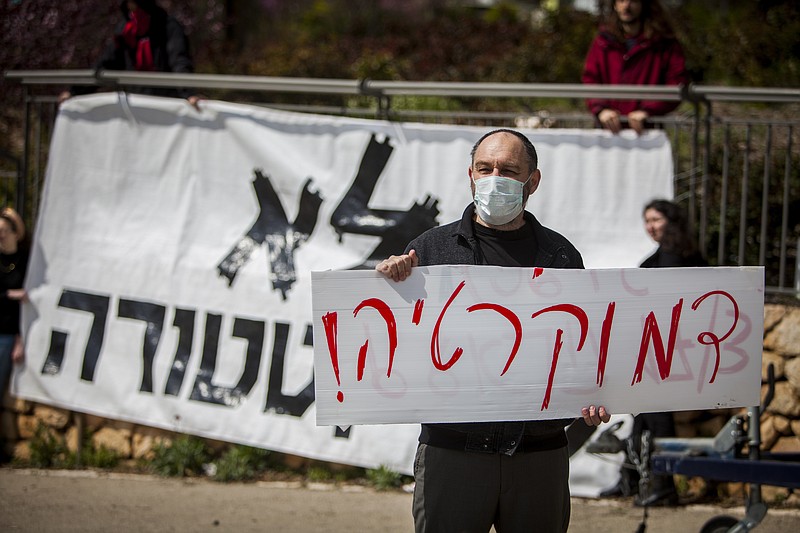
{"x": 458, "y": 491}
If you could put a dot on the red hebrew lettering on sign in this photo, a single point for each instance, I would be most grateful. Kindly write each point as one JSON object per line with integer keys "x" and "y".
{"x": 652, "y": 333}
{"x": 578, "y": 313}
{"x": 436, "y": 355}
{"x": 391, "y": 327}
{"x": 708, "y": 338}
{"x": 605, "y": 336}
{"x": 511, "y": 317}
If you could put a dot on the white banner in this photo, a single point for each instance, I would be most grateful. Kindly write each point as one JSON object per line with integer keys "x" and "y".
{"x": 170, "y": 276}
{"x": 482, "y": 343}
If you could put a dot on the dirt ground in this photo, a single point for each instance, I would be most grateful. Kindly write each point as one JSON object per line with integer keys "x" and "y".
{"x": 88, "y": 501}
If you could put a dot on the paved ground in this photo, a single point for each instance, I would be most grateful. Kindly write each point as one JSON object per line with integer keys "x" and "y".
{"x": 85, "y": 501}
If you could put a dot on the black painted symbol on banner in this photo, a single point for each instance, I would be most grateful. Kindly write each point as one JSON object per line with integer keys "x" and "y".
{"x": 152, "y": 315}
{"x": 97, "y": 306}
{"x": 281, "y": 237}
{"x": 396, "y": 228}
{"x": 277, "y": 401}
{"x": 184, "y": 321}
{"x": 204, "y": 390}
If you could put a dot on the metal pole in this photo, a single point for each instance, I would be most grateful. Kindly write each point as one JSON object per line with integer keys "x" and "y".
{"x": 762, "y": 246}
{"x": 723, "y": 203}
{"x": 743, "y": 205}
{"x": 80, "y": 427}
{"x": 22, "y": 177}
{"x": 787, "y": 173}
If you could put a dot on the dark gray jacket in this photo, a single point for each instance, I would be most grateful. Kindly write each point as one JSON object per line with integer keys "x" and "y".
{"x": 455, "y": 244}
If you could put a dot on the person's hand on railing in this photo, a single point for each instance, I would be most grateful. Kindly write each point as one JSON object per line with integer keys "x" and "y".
{"x": 637, "y": 120}
{"x": 609, "y": 119}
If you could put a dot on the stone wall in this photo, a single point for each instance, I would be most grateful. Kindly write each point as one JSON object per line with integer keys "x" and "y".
{"x": 780, "y": 424}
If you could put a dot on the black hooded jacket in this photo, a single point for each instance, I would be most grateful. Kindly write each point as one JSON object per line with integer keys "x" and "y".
{"x": 168, "y": 42}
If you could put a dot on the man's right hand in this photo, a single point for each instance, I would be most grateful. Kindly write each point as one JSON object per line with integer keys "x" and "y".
{"x": 609, "y": 118}
{"x": 398, "y": 267}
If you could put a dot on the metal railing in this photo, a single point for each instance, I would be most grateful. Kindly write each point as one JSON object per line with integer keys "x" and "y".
{"x": 737, "y": 176}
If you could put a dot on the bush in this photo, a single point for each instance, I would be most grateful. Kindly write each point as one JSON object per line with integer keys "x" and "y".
{"x": 384, "y": 478}
{"x": 48, "y": 449}
{"x": 184, "y": 457}
{"x": 240, "y": 463}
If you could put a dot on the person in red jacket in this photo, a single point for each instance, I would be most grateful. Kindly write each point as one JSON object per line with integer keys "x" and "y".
{"x": 634, "y": 46}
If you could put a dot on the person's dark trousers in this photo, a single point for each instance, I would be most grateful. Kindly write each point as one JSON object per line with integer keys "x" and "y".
{"x": 459, "y": 491}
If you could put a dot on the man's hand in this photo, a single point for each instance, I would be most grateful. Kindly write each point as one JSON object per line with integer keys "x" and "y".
{"x": 398, "y": 267}
{"x": 20, "y": 295}
{"x": 18, "y": 351}
{"x": 594, "y": 416}
{"x": 194, "y": 101}
{"x": 637, "y": 120}
{"x": 609, "y": 118}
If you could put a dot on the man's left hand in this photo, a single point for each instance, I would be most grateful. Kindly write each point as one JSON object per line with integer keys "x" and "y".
{"x": 637, "y": 120}
{"x": 594, "y": 416}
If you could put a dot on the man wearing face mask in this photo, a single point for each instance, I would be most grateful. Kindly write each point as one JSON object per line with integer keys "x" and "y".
{"x": 510, "y": 475}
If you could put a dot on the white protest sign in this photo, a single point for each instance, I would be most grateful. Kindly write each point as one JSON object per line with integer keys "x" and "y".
{"x": 482, "y": 343}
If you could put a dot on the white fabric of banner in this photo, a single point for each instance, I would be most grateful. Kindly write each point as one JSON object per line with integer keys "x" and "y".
{"x": 170, "y": 276}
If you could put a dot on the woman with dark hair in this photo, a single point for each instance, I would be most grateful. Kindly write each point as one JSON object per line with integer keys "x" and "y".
{"x": 635, "y": 45}
{"x": 13, "y": 265}
{"x": 668, "y": 225}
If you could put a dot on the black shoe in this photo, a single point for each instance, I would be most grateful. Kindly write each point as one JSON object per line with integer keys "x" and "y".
{"x": 612, "y": 492}
{"x": 657, "y": 499}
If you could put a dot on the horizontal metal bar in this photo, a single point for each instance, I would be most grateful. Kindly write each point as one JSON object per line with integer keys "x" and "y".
{"x": 249, "y": 83}
{"x": 529, "y": 90}
{"x": 399, "y": 88}
{"x": 55, "y": 77}
{"x": 747, "y": 94}
{"x": 762, "y": 472}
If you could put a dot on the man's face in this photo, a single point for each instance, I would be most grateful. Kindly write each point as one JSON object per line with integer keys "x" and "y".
{"x": 503, "y": 154}
{"x": 628, "y": 11}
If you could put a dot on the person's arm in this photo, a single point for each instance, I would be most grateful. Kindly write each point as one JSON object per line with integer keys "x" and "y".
{"x": 674, "y": 73}
{"x": 180, "y": 60}
{"x": 113, "y": 58}
{"x": 398, "y": 267}
{"x": 179, "y": 57}
{"x": 18, "y": 352}
{"x": 594, "y": 74}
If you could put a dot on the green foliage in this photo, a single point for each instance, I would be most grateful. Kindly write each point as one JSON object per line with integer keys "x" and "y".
{"x": 241, "y": 463}
{"x": 384, "y": 478}
{"x": 184, "y": 457}
{"x": 319, "y": 474}
{"x": 48, "y": 449}
{"x": 100, "y": 457}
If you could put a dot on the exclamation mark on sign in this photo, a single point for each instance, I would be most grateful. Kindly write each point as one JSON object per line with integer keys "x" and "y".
{"x": 329, "y": 320}
{"x": 417, "y": 312}
{"x": 537, "y": 272}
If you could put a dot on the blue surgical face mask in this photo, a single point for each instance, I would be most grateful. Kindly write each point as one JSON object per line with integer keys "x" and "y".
{"x": 498, "y": 199}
